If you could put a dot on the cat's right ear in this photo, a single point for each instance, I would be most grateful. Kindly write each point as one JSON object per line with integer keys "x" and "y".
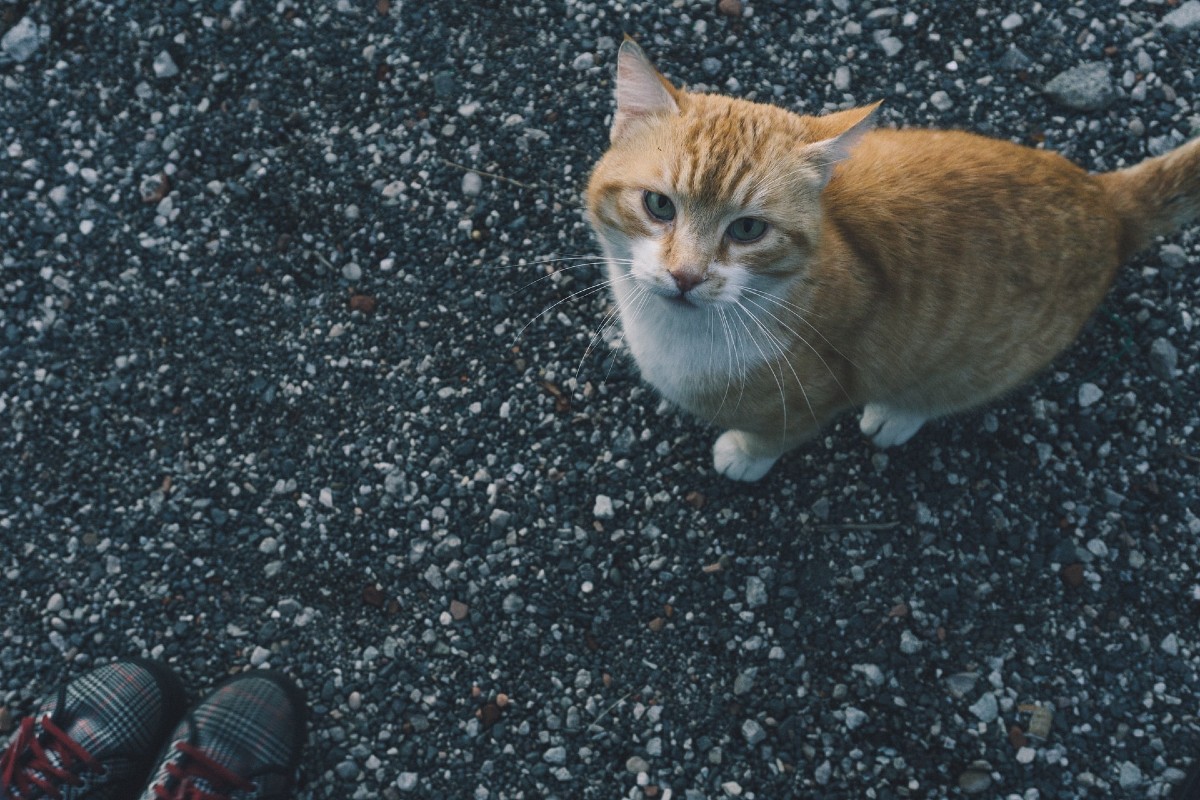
{"x": 641, "y": 91}
{"x": 839, "y": 133}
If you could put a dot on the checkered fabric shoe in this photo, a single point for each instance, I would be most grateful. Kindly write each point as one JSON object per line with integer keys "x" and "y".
{"x": 242, "y": 741}
{"x": 95, "y": 738}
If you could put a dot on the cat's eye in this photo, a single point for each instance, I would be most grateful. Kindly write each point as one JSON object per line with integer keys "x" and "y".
{"x": 746, "y": 229}
{"x": 659, "y": 206}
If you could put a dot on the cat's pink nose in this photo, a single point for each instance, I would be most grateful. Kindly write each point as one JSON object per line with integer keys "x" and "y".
{"x": 687, "y": 280}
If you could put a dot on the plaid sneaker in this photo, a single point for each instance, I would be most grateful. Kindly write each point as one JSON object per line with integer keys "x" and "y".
{"x": 241, "y": 741}
{"x": 94, "y": 739}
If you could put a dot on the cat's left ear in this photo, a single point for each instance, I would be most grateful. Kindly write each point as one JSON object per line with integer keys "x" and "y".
{"x": 837, "y": 134}
{"x": 641, "y": 91}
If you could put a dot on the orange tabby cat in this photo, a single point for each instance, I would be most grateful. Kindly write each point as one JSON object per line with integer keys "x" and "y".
{"x": 773, "y": 269}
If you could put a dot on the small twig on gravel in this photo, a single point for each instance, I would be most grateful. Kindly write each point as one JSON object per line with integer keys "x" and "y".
{"x": 1187, "y": 456}
{"x": 595, "y": 723}
{"x": 859, "y": 526}
{"x": 490, "y": 174}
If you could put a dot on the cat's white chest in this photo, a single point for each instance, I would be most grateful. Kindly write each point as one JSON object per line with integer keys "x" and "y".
{"x": 687, "y": 353}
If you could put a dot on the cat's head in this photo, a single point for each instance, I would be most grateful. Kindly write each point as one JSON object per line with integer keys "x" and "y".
{"x": 700, "y": 196}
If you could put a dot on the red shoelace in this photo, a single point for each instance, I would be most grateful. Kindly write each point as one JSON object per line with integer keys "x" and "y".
{"x": 187, "y": 773}
{"x": 27, "y": 765}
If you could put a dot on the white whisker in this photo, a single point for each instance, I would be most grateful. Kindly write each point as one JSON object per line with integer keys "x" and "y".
{"x": 806, "y": 343}
{"x": 767, "y": 361}
{"x": 599, "y": 287}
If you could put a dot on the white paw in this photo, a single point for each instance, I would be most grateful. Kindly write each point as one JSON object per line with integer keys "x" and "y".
{"x": 731, "y": 459}
{"x": 887, "y": 426}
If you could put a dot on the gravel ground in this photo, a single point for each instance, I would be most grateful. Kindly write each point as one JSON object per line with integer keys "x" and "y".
{"x": 269, "y": 396}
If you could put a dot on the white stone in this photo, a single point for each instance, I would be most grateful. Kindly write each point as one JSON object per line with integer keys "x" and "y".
{"x": 1184, "y": 18}
{"x": 472, "y": 184}
{"x": 165, "y": 66}
{"x": 855, "y": 717}
{"x": 1026, "y": 755}
{"x": 841, "y": 78}
{"x": 1131, "y": 775}
{"x": 756, "y": 592}
{"x": 1012, "y": 22}
{"x": 1089, "y": 393}
{"x": 21, "y": 40}
{"x": 603, "y": 508}
{"x": 986, "y": 709}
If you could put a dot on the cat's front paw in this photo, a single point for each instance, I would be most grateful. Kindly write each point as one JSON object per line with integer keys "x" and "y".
{"x": 888, "y": 426}
{"x": 732, "y": 459}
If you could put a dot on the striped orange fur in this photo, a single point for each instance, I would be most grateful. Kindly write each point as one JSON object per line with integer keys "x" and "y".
{"x": 912, "y": 273}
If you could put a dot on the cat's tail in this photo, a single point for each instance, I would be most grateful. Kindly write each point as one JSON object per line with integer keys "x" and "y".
{"x": 1156, "y": 197}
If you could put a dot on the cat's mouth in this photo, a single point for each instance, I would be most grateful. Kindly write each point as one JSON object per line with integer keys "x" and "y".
{"x": 680, "y": 300}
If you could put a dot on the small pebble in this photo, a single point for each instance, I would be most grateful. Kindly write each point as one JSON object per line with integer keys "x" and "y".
{"x": 636, "y": 764}
{"x": 855, "y": 717}
{"x": 1089, "y": 393}
{"x": 986, "y": 709}
{"x": 603, "y": 509}
{"x": 472, "y": 184}
{"x": 1012, "y": 22}
{"x": 164, "y": 65}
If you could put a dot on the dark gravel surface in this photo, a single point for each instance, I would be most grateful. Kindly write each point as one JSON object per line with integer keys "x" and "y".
{"x": 267, "y": 398}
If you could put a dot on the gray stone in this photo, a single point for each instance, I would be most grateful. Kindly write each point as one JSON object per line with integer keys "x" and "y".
{"x": 56, "y": 603}
{"x": 555, "y": 755}
{"x": 584, "y": 61}
{"x": 1089, "y": 393}
{"x": 752, "y": 732}
{"x": 1130, "y": 776}
{"x": 1184, "y": 18}
{"x": 909, "y": 643}
{"x": 1012, "y": 22}
{"x": 891, "y": 46}
{"x": 871, "y": 672}
{"x": 975, "y": 781}
{"x": 1087, "y": 87}
{"x": 1014, "y": 60}
{"x": 1173, "y": 255}
{"x": 823, "y": 773}
{"x": 711, "y": 66}
{"x": 961, "y": 684}
{"x": 855, "y": 717}
{"x": 603, "y": 509}
{"x": 986, "y": 709}
{"x": 347, "y": 770}
{"x": 941, "y": 101}
{"x": 756, "y": 592}
{"x": 636, "y": 764}
{"x": 165, "y": 66}
{"x": 472, "y": 184}
{"x": 820, "y": 508}
{"x": 1163, "y": 358}
{"x": 1170, "y": 644}
{"x": 22, "y": 40}
{"x": 841, "y": 78}
{"x": 407, "y": 781}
